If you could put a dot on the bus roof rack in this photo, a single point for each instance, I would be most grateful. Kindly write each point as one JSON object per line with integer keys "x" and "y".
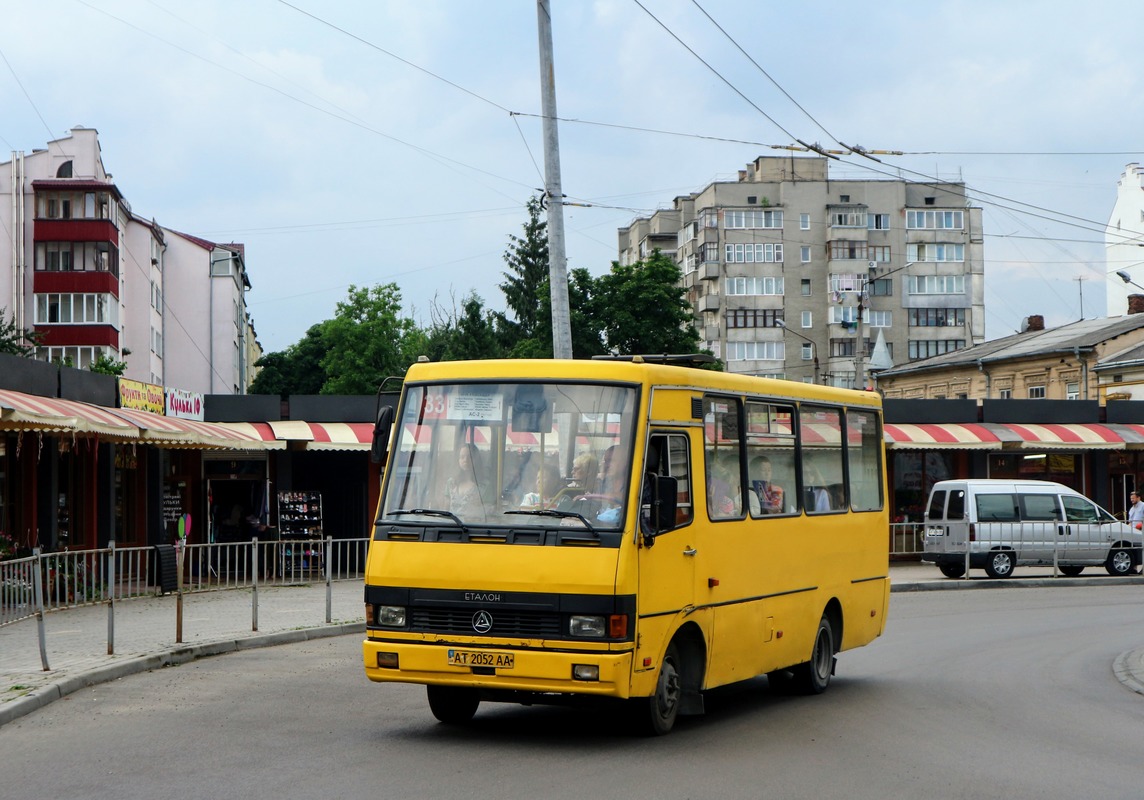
{"x": 676, "y": 359}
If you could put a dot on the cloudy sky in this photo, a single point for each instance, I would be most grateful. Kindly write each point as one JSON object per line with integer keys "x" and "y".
{"x": 367, "y": 141}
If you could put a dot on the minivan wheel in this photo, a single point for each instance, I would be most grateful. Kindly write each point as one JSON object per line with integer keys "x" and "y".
{"x": 952, "y": 570}
{"x": 1071, "y": 570}
{"x": 1119, "y": 562}
{"x": 1000, "y": 564}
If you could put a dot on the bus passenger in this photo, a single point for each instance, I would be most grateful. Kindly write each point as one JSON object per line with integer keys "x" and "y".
{"x": 766, "y": 496}
{"x": 584, "y": 476}
{"x": 548, "y": 484}
{"x": 462, "y": 491}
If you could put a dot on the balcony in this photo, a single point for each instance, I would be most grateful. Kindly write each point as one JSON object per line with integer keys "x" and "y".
{"x": 710, "y": 270}
{"x": 709, "y": 303}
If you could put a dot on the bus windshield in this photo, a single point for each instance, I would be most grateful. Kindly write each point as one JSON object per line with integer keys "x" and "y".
{"x": 522, "y": 454}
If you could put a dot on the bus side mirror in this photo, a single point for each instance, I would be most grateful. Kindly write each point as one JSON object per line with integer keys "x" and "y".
{"x": 666, "y": 490}
{"x": 379, "y": 449}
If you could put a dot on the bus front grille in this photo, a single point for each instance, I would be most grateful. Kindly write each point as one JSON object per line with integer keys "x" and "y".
{"x": 462, "y": 621}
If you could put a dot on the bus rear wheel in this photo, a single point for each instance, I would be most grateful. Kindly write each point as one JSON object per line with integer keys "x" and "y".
{"x": 453, "y": 705}
{"x": 656, "y": 715}
{"x": 812, "y": 677}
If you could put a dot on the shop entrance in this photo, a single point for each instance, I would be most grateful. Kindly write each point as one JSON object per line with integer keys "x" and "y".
{"x": 238, "y": 493}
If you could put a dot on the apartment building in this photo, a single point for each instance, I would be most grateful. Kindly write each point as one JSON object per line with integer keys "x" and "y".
{"x": 794, "y": 274}
{"x": 94, "y": 278}
{"x": 1123, "y": 238}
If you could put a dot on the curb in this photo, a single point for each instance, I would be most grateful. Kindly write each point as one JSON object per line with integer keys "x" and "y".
{"x": 960, "y": 584}
{"x": 38, "y": 698}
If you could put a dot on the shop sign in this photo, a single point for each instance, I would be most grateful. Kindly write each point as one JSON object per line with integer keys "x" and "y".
{"x": 184, "y": 404}
{"x": 140, "y": 396}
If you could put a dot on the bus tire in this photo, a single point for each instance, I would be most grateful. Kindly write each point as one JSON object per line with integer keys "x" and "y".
{"x": 952, "y": 570}
{"x": 453, "y": 705}
{"x": 1000, "y": 564}
{"x": 656, "y": 714}
{"x": 812, "y": 677}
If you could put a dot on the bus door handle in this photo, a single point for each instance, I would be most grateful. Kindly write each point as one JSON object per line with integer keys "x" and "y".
{"x": 689, "y": 551}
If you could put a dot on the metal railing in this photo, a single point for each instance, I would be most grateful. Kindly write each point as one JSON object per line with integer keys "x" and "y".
{"x": 907, "y": 539}
{"x": 69, "y": 579}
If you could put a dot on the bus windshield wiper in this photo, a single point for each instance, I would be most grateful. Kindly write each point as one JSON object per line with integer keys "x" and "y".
{"x": 552, "y": 512}
{"x": 430, "y": 512}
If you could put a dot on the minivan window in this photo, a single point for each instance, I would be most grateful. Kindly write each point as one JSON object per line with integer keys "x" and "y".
{"x": 937, "y": 505}
{"x": 1078, "y": 509}
{"x": 996, "y": 508}
{"x": 1040, "y": 507}
{"x": 956, "y": 504}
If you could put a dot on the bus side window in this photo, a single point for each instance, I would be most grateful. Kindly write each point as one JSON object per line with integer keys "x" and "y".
{"x": 679, "y": 467}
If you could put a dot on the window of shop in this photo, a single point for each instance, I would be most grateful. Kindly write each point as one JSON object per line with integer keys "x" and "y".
{"x": 1060, "y": 467}
{"x": 915, "y": 472}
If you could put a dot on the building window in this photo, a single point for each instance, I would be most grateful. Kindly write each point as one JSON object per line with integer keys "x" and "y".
{"x": 852, "y": 217}
{"x": 935, "y": 284}
{"x": 881, "y": 287}
{"x": 753, "y": 318}
{"x": 937, "y": 317}
{"x": 807, "y": 316}
{"x": 935, "y": 220}
{"x": 842, "y": 348}
{"x": 80, "y": 357}
{"x": 1072, "y": 391}
{"x": 754, "y": 286}
{"x": 880, "y": 319}
{"x": 921, "y": 348}
{"x": 935, "y": 252}
{"x": 758, "y": 253}
{"x": 76, "y": 309}
{"x": 804, "y": 222}
{"x": 804, "y": 253}
{"x": 1005, "y": 394}
{"x": 879, "y": 253}
{"x": 805, "y": 287}
{"x": 807, "y": 351}
{"x": 847, "y": 282}
{"x": 1036, "y": 392}
{"x": 752, "y": 218}
{"x": 710, "y": 251}
{"x": 878, "y": 222}
{"x": 77, "y": 257}
{"x": 842, "y": 315}
{"x": 847, "y": 250}
{"x": 756, "y": 351}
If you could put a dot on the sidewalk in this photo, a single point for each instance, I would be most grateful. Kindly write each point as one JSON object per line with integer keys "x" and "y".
{"x": 221, "y": 622}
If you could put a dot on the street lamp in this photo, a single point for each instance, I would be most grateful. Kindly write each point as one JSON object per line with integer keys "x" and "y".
{"x": 1124, "y": 276}
{"x": 813, "y": 347}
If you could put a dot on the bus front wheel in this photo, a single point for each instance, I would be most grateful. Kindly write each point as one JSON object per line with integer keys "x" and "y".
{"x": 813, "y": 676}
{"x": 453, "y": 705}
{"x": 656, "y": 714}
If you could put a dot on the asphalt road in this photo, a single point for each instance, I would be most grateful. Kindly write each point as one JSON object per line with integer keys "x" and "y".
{"x": 1006, "y": 693}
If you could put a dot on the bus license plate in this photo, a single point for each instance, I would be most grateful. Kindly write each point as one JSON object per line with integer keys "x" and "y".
{"x": 481, "y": 658}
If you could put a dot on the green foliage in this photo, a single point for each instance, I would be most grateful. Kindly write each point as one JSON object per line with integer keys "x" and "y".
{"x": 368, "y": 341}
{"x": 526, "y": 284}
{"x": 13, "y": 340}
{"x": 295, "y": 370}
{"x": 642, "y": 308}
{"x": 108, "y": 366}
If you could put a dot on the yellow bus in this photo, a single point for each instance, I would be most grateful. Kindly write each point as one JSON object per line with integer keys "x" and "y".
{"x": 634, "y": 528}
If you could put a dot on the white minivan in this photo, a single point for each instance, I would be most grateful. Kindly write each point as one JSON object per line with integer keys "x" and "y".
{"x": 1006, "y": 524}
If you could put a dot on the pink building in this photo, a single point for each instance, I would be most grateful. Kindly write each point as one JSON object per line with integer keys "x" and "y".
{"x": 93, "y": 278}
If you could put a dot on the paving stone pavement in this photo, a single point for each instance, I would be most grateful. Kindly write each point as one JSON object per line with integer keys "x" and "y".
{"x": 217, "y": 622}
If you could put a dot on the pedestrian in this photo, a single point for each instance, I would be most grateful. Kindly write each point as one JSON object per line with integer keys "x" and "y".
{"x": 1136, "y": 511}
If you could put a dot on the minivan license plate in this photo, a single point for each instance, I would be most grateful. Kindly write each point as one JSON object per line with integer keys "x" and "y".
{"x": 481, "y": 658}
{"x": 935, "y": 531}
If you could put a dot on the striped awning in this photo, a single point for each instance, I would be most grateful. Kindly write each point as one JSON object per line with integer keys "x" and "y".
{"x": 260, "y": 432}
{"x": 29, "y": 412}
{"x": 941, "y": 435}
{"x": 341, "y": 436}
{"x": 299, "y": 434}
{"x": 172, "y": 432}
{"x": 1064, "y": 436}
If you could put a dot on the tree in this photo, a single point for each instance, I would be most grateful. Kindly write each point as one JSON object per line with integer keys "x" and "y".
{"x": 526, "y": 286}
{"x": 367, "y": 340}
{"x": 13, "y": 340}
{"x": 295, "y": 370}
{"x": 105, "y": 365}
{"x": 475, "y": 333}
{"x": 642, "y": 308}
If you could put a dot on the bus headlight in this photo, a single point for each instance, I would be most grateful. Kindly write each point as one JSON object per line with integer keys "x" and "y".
{"x": 391, "y": 616}
{"x": 587, "y": 627}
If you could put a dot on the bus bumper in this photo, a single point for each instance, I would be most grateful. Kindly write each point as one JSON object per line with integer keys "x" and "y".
{"x": 531, "y": 671}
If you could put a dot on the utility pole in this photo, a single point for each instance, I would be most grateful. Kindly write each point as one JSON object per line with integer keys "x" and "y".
{"x": 553, "y": 194}
{"x": 1080, "y": 288}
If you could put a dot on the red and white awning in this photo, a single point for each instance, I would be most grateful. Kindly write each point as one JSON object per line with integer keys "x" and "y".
{"x": 1070, "y": 436}
{"x": 941, "y": 435}
{"x": 29, "y": 412}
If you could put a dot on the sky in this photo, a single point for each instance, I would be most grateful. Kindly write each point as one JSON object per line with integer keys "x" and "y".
{"x": 364, "y": 142}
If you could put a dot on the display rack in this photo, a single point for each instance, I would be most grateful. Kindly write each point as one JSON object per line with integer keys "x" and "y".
{"x": 300, "y": 529}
